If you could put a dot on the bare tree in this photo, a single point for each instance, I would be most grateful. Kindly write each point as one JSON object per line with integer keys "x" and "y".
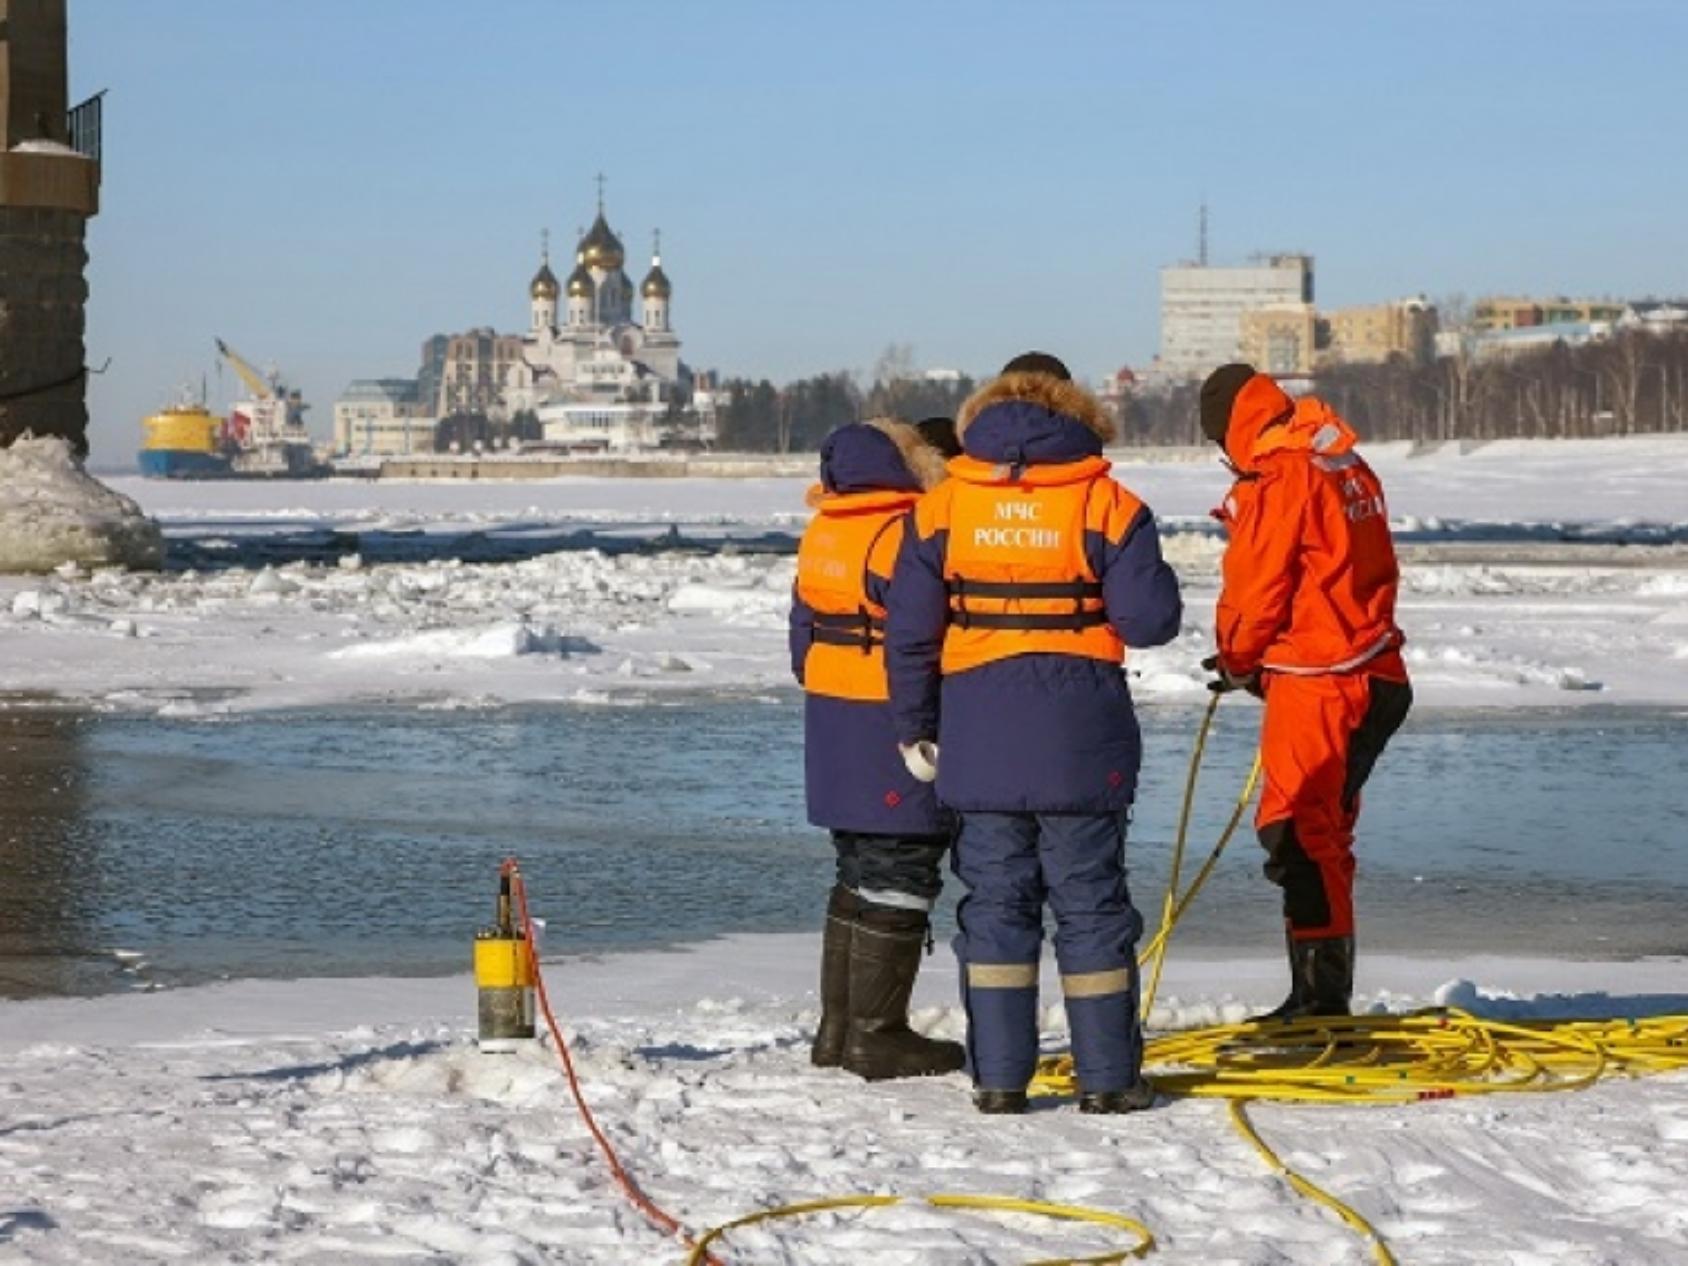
{"x": 895, "y": 364}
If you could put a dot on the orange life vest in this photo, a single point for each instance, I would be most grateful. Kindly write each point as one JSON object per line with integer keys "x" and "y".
{"x": 851, "y": 535}
{"x": 1016, "y": 568}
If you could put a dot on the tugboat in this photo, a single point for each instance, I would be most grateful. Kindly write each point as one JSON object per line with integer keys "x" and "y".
{"x": 180, "y": 441}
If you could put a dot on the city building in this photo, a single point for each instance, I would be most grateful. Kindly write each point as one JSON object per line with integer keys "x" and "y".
{"x": 1376, "y": 333}
{"x": 1114, "y": 391}
{"x": 1282, "y": 339}
{"x": 1512, "y": 313}
{"x": 383, "y": 417}
{"x": 1501, "y": 344}
{"x": 1656, "y": 316}
{"x": 473, "y": 371}
{"x": 1202, "y": 309}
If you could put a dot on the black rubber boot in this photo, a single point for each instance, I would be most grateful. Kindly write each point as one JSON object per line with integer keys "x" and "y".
{"x": 1321, "y": 974}
{"x": 885, "y": 951}
{"x": 828, "y": 1048}
{"x": 1000, "y": 1103}
{"x": 1134, "y": 1098}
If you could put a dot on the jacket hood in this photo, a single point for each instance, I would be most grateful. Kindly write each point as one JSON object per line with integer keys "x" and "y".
{"x": 1260, "y": 406}
{"x": 883, "y": 455}
{"x": 1020, "y": 420}
{"x": 1264, "y": 420}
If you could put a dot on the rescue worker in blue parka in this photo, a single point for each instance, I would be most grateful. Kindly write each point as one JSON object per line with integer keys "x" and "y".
{"x": 887, "y": 827}
{"x": 1025, "y": 576}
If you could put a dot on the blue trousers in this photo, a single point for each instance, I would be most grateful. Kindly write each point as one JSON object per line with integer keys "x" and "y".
{"x": 1011, "y": 865}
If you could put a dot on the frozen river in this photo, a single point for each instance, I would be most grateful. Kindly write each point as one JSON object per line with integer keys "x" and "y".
{"x": 140, "y": 851}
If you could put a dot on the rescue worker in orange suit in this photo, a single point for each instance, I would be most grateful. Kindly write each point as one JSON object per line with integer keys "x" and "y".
{"x": 1024, "y": 578}
{"x": 888, "y": 829}
{"x": 1306, "y": 621}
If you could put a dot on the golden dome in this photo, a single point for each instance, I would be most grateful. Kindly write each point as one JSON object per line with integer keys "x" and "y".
{"x": 544, "y": 283}
{"x": 600, "y": 248}
{"x": 656, "y": 284}
{"x": 580, "y": 281}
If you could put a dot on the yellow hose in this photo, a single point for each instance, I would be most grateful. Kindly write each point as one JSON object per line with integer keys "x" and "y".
{"x": 1310, "y": 1189}
{"x": 992, "y": 1204}
{"x": 1175, "y": 904}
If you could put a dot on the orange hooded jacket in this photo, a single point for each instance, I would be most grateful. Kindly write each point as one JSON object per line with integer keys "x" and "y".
{"x": 1309, "y": 575}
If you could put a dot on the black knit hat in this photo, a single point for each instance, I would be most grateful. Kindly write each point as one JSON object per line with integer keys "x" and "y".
{"x": 1219, "y": 393}
{"x": 939, "y": 432}
{"x": 1037, "y": 363}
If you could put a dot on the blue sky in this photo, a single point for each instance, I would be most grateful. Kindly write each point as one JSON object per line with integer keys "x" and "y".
{"x": 324, "y": 183}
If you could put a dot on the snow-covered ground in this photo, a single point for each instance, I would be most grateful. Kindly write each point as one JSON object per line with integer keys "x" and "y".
{"x": 1531, "y": 623}
{"x": 338, "y": 1121}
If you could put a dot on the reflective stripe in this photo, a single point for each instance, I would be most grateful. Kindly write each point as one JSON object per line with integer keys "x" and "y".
{"x": 1096, "y": 984}
{"x": 1340, "y": 462}
{"x": 1384, "y": 643}
{"x": 1002, "y": 975}
{"x": 891, "y": 897}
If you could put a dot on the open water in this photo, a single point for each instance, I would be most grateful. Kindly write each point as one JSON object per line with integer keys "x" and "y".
{"x": 145, "y": 852}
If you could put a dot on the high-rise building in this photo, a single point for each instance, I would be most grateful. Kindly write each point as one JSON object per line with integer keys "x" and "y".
{"x": 1202, "y": 308}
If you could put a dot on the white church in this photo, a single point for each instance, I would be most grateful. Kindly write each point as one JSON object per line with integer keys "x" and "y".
{"x": 599, "y": 377}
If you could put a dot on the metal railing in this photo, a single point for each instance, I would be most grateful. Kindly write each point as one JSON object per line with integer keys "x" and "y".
{"x": 83, "y": 125}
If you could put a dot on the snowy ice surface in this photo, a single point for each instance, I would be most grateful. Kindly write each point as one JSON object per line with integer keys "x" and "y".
{"x": 1516, "y": 623}
{"x": 1510, "y": 481}
{"x": 352, "y": 1120}
{"x": 587, "y": 626}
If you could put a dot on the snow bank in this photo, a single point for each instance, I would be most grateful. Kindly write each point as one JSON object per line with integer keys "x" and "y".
{"x": 53, "y": 512}
{"x": 492, "y": 641}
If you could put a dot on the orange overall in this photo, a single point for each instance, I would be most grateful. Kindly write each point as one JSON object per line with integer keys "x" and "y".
{"x": 1308, "y": 603}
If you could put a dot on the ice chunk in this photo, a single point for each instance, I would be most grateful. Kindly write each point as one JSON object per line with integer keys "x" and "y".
{"x": 53, "y": 513}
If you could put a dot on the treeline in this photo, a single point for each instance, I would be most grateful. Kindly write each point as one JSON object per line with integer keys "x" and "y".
{"x": 1633, "y": 383}
{"x": 758, "y": 417}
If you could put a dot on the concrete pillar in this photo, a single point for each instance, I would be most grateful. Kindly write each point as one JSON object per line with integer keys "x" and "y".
{"x": 47, "y": 193}
{"x": 42, "y": 301}
{"x": 49, "y": 507}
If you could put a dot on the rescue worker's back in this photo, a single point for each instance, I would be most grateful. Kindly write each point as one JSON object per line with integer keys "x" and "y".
{"x": 1021, "y": 582}
{"x": 1027, "y": 573}
{"x": 1310, "y": 581}
{"x": 1306, "y": 619}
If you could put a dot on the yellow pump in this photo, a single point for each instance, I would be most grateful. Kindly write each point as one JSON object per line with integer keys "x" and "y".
{"x": 504, "y": 975}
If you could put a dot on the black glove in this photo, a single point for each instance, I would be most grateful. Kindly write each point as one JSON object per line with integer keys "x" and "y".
{"x": 1226, "y": 681}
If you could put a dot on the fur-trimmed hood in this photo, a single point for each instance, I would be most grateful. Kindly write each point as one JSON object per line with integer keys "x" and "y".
{"x": 1033, "y": 419}
{"x": 882, "y": 454}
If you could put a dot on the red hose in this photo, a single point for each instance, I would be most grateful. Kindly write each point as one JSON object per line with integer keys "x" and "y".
{"x": 653, "y": 1213}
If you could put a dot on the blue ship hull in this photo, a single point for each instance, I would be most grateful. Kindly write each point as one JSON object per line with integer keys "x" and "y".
{"x": 174, "y": 463}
